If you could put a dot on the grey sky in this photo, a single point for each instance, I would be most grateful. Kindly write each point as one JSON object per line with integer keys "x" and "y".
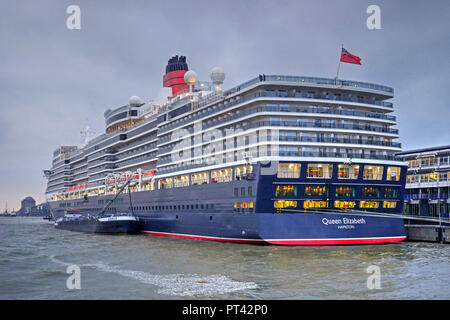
{"x": 54, "y": 81}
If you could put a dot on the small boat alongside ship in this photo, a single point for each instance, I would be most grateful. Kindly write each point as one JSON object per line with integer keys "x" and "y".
{"x": 122, "y": 223}
{"x": 83, "y": 221}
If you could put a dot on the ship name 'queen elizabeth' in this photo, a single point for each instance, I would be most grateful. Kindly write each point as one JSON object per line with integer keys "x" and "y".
{"x": 286, "y": 160}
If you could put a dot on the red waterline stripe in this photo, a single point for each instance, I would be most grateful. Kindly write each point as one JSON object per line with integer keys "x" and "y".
{"x": 313, "y": 242}
{"x": 283, "y": 242}
{"x": 188, "y": 236}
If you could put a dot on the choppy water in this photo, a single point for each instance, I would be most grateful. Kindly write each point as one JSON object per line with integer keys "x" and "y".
{"x": 34, "y": 257}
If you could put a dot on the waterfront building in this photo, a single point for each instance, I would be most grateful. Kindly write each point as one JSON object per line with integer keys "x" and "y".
{"x": 428, "y": 181}
{"x": 27, "y": 205}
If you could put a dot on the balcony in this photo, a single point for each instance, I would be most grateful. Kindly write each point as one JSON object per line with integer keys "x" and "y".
{"x": 259, "y": 94}
{"x": 315, "y": 81}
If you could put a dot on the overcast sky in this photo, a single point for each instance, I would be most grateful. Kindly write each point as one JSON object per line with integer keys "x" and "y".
{"x": 54, "y": 81}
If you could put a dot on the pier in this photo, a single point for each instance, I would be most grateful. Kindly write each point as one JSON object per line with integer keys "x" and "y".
{"x": 427, "y": 233}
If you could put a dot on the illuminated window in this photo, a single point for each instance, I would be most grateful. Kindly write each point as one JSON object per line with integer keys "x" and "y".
{"x": 345, "y": 191}
{"x": 286, "y": 191}
{"x": 181, "y": 181}
{"x": 244, "y": 172}
{"x": 344, "y": 204}
{"x": 165, "y": 183}
{"x": 348, "y": 171}
{"x": 289, "y": 170}
{"x": 393, "y": 173}
{"x": 285, "y": 204}
{"x": 222, "y": 175}
{"x": 390, "y": 192}
{"x": 316, "y": 190}
{"x": 150, "y": 185}
{"x": 373, "y": 172}
{"x": 370, "y": 192}
{"x": 389, "y": 204}
{"x": 319, "y": 170}
{"x": 200, "y": 178}
{"x": 315, "y": 204}
{"x": 368, "y": 204}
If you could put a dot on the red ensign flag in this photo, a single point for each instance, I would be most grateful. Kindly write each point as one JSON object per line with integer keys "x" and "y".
{"x": 349, "y": 58}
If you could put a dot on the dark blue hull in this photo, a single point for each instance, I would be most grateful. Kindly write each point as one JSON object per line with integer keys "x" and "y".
{"x": 245, "y": 210}
{"x": 92, "y": 226}
{"x": 280, "y": 229}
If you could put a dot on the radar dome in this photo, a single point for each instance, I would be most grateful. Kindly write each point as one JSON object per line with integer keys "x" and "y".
{"x": 135, "y": 100}
{"x": 190, "y": 77}
{"x": 217, "y": 76}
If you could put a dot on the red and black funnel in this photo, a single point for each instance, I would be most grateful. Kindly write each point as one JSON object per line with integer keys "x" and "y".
{"x": 174, "y": 77}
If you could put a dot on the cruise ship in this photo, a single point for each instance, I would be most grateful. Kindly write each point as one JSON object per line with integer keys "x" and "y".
{"x": 278, "y": 159}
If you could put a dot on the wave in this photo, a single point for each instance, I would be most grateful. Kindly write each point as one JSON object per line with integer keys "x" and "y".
{"x": 176, "y": 284}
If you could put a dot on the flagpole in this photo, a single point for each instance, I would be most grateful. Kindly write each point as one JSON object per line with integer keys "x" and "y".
{"x": 339, "y": 66}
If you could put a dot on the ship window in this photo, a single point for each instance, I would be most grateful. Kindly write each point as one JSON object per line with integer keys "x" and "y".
{"x": 344, "y": 204}
{"x": 345, "y": 191}
{"x": 373, "y": 172}
{"x": 286, "y": 191}
{"x": 368, "y": 204}
{"x": 202, "y": 206}
{"x": 181, "y": 181}
{"x": 315, "y": 204}
{"x": 348, "y": 171}
{"x": 165, "y": 183}
{"x": 389, "y": 204}
{"x": 370, "y": 192}
{"x": 243, "y": 172}
{"x": 250, "y": 191}
{"x": 316, "y": 190}
{"x": 393, "y": 174}
{"x": 236, "y": 192}
{"x": 212, "y": 205}
{"x": 285, "y": 204}
{"x": 243, "y": 192}
{"x": 319, "y": 170}
{"x": 200, "y": 178}
{"x": 390, "y": 192}
{"x": 222, "y": 175}
{"x": 289, "y": 170}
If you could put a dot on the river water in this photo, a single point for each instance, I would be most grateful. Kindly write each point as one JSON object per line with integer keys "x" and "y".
{"x": 34, "y": 257}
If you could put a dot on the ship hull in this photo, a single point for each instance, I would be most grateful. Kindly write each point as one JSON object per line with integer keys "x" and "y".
{"x": 280, "y": 229}
{"x": 92, "y": 226}
{"x": 245, "y": 211}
